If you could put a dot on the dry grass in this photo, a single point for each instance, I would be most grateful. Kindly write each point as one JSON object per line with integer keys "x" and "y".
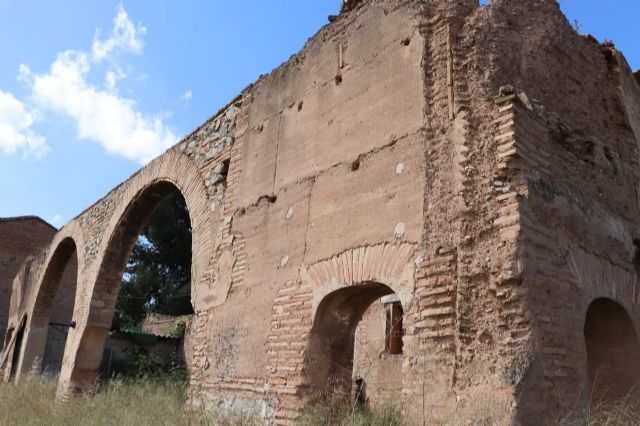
{"x": 622, "y": 413}
{"x": 339, "y": 409}
{"x": 32, "y": 403}
{"x": 138, "y": 402}
{"x": 147, "y": 402}
{"x": 348, "y": 415}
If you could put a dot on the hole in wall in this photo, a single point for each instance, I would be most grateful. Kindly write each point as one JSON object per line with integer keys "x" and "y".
{"x": 394, "y": 329}
{"x": 268, "y": 198}
{"x": 225, "y": 168}
{"x": 612, "y": 353}
{"x": 338, "y": 80}
{"x": 406, "y": 41}
{"x": 300, "y": 105}
{"x": 352, "y": 327}
{"x": 355, "y": 165}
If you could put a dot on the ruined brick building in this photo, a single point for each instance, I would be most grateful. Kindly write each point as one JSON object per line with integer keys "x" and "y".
{"x": 433, "y": 202}
{"x": 21, "y": 237}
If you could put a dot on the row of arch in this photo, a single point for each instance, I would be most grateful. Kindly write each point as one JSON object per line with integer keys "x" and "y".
{"x": 97, "y": 282}
{"x": 611, "y": 340}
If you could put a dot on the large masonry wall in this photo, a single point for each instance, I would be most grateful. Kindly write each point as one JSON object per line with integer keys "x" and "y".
{"x": 569, "y": 133}
{"x": 478, "y": 164}
{"x": 323, "y": 159}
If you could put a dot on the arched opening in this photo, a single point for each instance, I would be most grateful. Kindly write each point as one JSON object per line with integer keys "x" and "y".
{"x": 127, "y": 337}
{"x": 53, "y": 311}
{"x": 17, "y": 347}
{"x": 613, "y": 352}
{"x": 356, "y": 340}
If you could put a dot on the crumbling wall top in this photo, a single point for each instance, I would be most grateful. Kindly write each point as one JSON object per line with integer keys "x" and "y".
{"x": 439, "y": 7}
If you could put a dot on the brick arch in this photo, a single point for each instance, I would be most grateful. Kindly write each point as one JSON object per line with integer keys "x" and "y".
{"x": 63, "y": 252}
{"x": 140, "y": 196}
{"x": 595, "y": 277}
{"x": 382, "y": 268}
{"x": 343, "y": 288}
{"x": 389, "y": 264}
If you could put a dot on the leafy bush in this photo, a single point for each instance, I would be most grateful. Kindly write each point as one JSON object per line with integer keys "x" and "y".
{"x": 146, "y": 365}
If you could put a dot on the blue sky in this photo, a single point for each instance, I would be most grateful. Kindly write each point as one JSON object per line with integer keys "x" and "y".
{"x": 90, "y": 91}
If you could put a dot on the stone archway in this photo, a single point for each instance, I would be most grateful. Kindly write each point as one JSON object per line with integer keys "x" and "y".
{"x": 54, "y": 300}
{"x": 343, "y": 288}
{"x": 613, "y": 352}
{"x": 330, "y": 364}
{"x": 138, "y": 200}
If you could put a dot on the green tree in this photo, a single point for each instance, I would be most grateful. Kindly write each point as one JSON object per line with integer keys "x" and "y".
{"x": 157, "y": 278}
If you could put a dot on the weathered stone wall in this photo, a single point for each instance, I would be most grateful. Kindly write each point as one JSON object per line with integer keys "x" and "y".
{"x": 568, "y": 137}
{"x": 480, "y": 163}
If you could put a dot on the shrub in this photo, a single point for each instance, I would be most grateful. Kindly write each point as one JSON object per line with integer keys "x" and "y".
{"x": 142, "y": 364}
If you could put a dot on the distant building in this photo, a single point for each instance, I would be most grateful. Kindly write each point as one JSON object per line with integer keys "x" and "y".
{"x": 20, "y": 237}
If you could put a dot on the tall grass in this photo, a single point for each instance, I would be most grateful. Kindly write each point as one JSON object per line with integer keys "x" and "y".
{"x": 622, "y": 413}
{"x": 136, "y": 401}
{"x": 143, "y": 402}
{"x": 340, "y": 411}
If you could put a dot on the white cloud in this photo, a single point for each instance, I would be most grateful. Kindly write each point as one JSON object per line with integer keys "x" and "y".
{"x": 101, "y": 115}
{"x": 186, "y": 96}
{"x": 112, "y": 77}
{"x": 57, "y": 220}
{"x": 15, "y": 128}
{"x": 125, "y": 38}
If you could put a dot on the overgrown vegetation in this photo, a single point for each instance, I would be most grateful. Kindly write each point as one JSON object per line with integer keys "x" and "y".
{"x": 343, "y": 413}
{"x": 623, "y": 413}
{"x": 117, "y": 402}
{"x": 142, "y": 364}
{"x": 143, "y": 401}
{"x": 121, "y": 402}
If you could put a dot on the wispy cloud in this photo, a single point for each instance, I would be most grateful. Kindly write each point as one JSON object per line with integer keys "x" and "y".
{"x": 101, "y": 115}
{"x": 57, "y": 220}
{"x": 16, "y": 133}
{"x": 186, "y": 96}
{"x": 125, "y": 38}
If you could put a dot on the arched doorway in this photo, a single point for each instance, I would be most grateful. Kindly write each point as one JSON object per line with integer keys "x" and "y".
{"x": 613, "y": 352}
{"x": 59, "y": 318}
{"x": 46, "y": 334}
{"x": 88, "y": 361}
{"x": 350, "y": 324}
